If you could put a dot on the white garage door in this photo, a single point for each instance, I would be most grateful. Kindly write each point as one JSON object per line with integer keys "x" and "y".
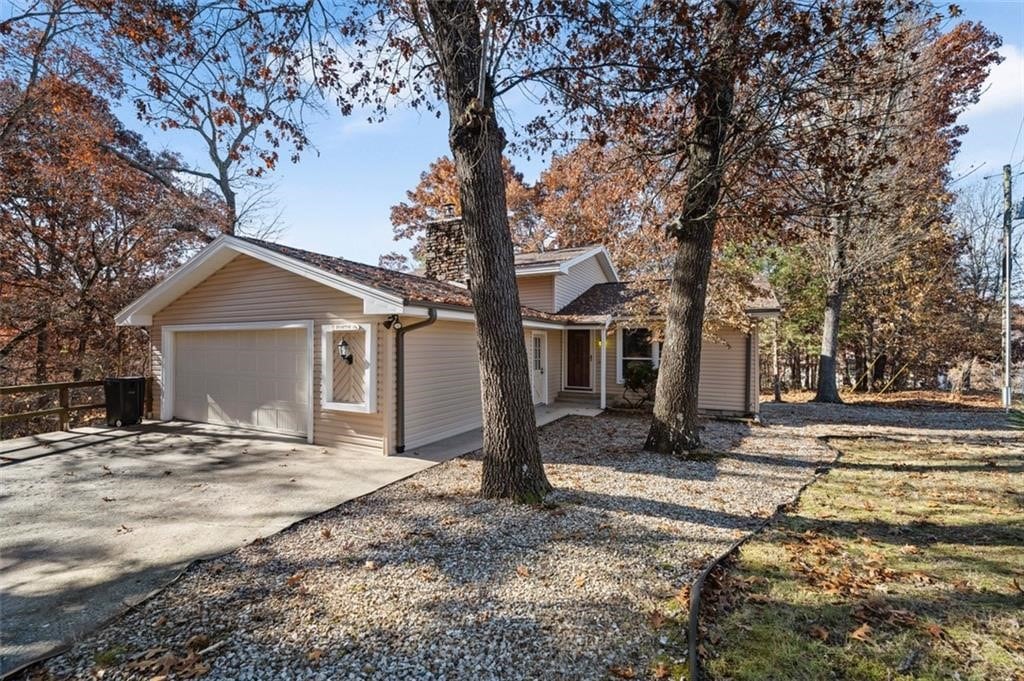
{"x": 251, "y": 379}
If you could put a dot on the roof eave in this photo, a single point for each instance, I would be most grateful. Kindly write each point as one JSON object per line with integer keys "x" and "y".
{"x": 764, "y": 313}
{"x": 532, "y": 270}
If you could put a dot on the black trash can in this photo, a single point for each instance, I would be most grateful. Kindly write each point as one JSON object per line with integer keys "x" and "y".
{"x": 126, "y": 400}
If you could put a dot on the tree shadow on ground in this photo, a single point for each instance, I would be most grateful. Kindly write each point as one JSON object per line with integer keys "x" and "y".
{"x": 455, "y": 562}
{"x": 799, "y": 415}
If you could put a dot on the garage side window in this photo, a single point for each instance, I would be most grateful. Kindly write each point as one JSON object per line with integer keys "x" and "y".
{"x": 349, "y": 367}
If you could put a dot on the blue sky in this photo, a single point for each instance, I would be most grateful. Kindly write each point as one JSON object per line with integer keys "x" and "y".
{"x": 337, "y": 198}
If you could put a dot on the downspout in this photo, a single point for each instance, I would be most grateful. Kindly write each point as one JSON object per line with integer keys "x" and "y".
{"x": 400, "y": 376}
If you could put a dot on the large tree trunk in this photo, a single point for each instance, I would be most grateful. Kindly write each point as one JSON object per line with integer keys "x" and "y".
{"x": 512, "y": 466}
{"x": 828, "y": 391}
{"x": 675, "y": 429}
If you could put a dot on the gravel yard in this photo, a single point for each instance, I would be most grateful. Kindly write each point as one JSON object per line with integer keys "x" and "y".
{"x": 424, "y": 580}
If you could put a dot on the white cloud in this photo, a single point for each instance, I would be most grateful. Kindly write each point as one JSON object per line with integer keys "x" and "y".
{"x": 1004, "y": 87}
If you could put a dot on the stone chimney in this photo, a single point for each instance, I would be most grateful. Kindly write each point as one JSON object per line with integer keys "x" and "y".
{"x": 444, "y": 250}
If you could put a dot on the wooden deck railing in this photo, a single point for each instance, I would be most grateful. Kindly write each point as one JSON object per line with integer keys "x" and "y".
{"x": 63, "y": 411}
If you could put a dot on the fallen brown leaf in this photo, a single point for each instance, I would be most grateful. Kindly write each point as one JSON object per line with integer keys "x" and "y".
{"x": 656, "y": 619}
{"x": 661, "y": 671}
{"x": 862, "y": 633}
{"x": 522, "y": 570}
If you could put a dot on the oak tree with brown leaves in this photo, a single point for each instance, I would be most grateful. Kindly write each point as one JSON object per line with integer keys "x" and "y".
{"x": 871, "y": 152}
{"x": 82, "y": 234}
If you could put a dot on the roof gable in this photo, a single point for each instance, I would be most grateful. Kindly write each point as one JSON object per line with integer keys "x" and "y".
{"x": 560, "y": 260}
{"x": 223, "y": 249}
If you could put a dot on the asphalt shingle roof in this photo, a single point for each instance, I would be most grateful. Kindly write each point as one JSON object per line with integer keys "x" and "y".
{"x": 546, "y": 258}
{"x": 411, "y": 287}
{"x": 599, "y": 301}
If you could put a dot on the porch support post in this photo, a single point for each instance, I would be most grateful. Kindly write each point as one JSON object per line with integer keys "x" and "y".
{"x": 604, "y": 366}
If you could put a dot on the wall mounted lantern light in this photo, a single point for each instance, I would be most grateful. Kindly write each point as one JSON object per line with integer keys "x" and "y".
{"x": 344, "y": 351}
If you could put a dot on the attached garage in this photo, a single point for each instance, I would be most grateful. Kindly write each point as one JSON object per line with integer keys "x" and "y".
{"x": 244, "y": 375}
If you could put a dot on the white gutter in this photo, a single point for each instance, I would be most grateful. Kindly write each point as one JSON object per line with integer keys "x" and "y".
{"x": 469, "y": 316}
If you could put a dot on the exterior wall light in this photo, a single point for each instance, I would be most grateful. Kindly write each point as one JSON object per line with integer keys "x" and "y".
{"x": 344, "y": 351}
{"x": 393, "y": 322}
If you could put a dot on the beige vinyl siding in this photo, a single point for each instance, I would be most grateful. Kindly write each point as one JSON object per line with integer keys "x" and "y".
{"x": 554, "y": 363}
{"x": 249, "y": 290}
{"x": 723, "y": 373}
{"x": 537, "y": 292}
{"x": 578, "y": 279}
{"x": 442, "y": 382}
{"x": 723, "y": 364}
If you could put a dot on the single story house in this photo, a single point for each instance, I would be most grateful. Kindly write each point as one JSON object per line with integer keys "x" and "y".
{"x": 260, "y": 335}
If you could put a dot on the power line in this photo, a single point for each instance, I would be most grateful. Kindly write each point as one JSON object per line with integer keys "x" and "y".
{"x": 1016, "y": 140}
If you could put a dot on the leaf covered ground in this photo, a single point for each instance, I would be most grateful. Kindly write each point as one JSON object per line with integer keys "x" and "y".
{"x": 906, "y": 561}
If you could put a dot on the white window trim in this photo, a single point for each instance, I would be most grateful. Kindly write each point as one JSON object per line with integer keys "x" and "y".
{"x": 167, "y": 354}
{"x": 655, "y": 357}
{"x": 369, "y": 330}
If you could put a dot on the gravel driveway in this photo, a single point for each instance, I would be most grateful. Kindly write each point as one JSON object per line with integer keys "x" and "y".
{"x": 424, "y": 580}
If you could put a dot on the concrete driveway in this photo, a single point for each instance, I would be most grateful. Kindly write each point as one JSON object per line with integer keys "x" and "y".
{"x": 95, "y": 520}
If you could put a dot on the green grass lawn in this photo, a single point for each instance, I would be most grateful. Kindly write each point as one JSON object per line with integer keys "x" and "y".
{"x": 906, "y": 561}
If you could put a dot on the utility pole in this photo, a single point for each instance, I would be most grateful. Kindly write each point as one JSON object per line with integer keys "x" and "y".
{"x": 1007, "y": 280}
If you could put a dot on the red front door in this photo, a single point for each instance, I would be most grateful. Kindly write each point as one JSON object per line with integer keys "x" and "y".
{"x": 577, "y": 351}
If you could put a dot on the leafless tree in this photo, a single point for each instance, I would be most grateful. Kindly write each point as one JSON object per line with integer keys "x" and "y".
{"x": 239, "y": 82}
